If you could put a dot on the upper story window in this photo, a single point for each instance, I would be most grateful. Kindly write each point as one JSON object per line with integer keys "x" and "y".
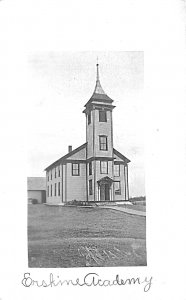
{"x": 89, "y": 118}
{"x": 51, "y": 175}
{"x": 104, "y": 167}
{"x": 75, "y": 169}
{"x": 55, "y": 172}
{"x": 90, "y": 168}
{"x": 117, "y": 187}
{"x": 103, "y": 142}
{"x": 117, "y": 170}
{"x": 59, "y": 172}
{"x": 102, "y": 116}
{"x": 48, "y": 176}
{"x": 48, "y": 190}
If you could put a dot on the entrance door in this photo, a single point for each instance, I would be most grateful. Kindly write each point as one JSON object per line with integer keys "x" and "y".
{"x": 107, "y": 192}
{"x": 104, "y": 192}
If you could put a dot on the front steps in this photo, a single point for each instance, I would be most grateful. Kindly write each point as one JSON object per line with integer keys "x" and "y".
{"x": 91, "y": 203}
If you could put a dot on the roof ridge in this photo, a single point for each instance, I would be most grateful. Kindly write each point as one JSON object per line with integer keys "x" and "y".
{"x": 67, "y": 155}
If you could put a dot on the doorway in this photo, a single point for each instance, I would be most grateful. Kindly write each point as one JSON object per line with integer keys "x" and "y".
{"x": 105, "y": 192}
{"x": 43, "y": 196}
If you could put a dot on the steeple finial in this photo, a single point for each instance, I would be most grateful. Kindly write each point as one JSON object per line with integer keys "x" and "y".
{"x": 97, "y": 65}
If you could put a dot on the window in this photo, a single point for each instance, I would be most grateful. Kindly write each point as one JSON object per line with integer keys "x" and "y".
{"x": 75, "y": 169}
{"x": 103, "y": 142}
{"x": 104, "y": 167}
{"x": 59, "y": 189}
{"x": 48, "y": 176}
{"x": 59, "y": 173}
{"x": 51, "y": 175}
{"x": 51, "y": 190}
{"x": 117, "y": 187}
{"x": 102, "y": 116}
{"x": 90, "y": 187}
{"x": 55, "y": 189}
{"x": 55, "y": 172}
{"x": 90, "y": 168}
{"x": 89, "y": 118}
{"x": 48, "y": 190}
{"x": 117, "y": 170}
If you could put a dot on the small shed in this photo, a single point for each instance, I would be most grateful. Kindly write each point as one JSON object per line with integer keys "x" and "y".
{"x": 36, "y": 190}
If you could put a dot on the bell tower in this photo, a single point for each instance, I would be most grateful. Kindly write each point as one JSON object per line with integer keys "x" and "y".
{"x": 99, "y": 138}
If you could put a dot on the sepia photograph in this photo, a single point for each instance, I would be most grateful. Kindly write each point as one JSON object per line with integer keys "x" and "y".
{"x": 88, "y": 209}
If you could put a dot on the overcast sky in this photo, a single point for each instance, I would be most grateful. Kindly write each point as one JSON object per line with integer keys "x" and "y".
{"x": 60, "y": 84}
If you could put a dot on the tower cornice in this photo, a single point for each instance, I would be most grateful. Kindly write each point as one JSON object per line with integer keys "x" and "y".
{"x": 98, "y": 106}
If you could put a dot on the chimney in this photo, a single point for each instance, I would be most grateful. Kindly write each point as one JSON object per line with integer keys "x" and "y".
{"x": 69, "y": 149}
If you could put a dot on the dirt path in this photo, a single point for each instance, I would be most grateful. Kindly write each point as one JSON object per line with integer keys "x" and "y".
{"x": 127, "y": 210}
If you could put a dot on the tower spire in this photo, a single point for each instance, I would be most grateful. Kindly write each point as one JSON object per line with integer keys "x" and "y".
{"x": 98, "y": 97}
{"x": 97, "y": 65}
{"x": 98, "y": 87}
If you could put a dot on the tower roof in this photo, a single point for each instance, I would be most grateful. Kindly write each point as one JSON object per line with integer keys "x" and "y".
{"x": 98, "y": 88}
{"x": 99, "y": 95}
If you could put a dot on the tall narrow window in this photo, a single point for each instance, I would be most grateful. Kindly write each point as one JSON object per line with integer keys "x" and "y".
{"x": 117, "y": 170}
{"x": 104, "y": 167}
{"x": 102, "y": 116}
{"x": 90, "y": 187}
{"x": 59, "y": 171}
{"x": 59, "y": 189}
{"x": 117, "y": 187}
{"x": 55, "y": 187}
{"x": 55, "y": 172}
{"x": 75, "y": 169}
{"x": 48, "y": 190}
{"x": 48, "y": 177}
{"x": 103, "y": 142}
{"x": 51, "y": 190}
{"x": 51, "y": 175}
{"x": 89, "y": 118}
{"x": 90, "y": 168}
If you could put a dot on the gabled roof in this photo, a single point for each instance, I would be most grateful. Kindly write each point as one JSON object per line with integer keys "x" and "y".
{"x": 105, "y": 179}
{"x": 68, "y": 155}
{"x": 36, "y": 183}
{"x": 124, "y": 158}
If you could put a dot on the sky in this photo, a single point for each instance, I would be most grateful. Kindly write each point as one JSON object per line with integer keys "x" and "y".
{"x": 60, "y": 84}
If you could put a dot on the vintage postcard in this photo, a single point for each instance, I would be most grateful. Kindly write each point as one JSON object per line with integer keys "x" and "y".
{"x": 93, "y": 151}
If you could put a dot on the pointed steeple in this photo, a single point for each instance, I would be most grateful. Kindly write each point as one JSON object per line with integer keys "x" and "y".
{"x": 98, "y": 88}
{"x": 99, "y": 97}
{"x": 99, "y": 93}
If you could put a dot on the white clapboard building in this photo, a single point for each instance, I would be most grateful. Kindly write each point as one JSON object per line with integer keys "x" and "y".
{"x": 95, "y": 171}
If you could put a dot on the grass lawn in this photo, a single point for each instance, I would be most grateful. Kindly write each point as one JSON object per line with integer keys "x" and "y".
{"x": 61, "y": 237}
